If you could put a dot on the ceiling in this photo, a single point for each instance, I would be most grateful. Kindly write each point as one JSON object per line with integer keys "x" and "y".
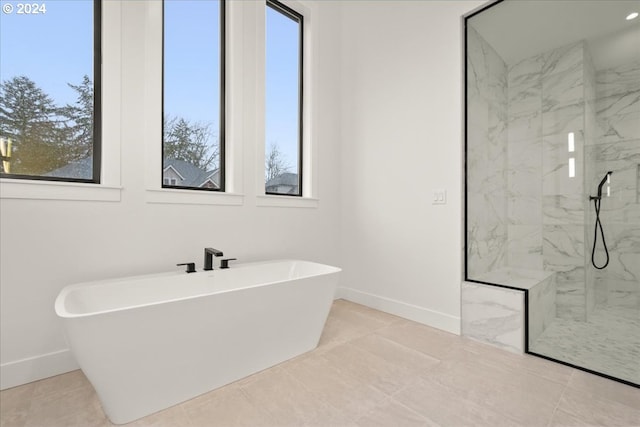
{"x": 518, "y": 29}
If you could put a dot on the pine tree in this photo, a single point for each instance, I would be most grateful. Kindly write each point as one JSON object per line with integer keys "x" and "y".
{"x": 78, "y": 131}
{"x": 31, "y": 119}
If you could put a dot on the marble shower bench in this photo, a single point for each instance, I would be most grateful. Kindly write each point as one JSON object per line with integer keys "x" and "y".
{"x": 496, "y": 314}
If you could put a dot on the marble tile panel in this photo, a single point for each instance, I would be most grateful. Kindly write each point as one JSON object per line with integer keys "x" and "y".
{"x": 572, "y": 274}
{"x": 556, "y": 177}
{"x": 524, "y": 247}
{"x": 619, "y": 127}
{"x": 617, "y": 104}
{"x": 563, "y": 120}
{"x": 524, "y": 210}
{"x": 564, "y": 59}
{"x": 477, "y": 116}
{"x": 486, "y": 247}
{"x": 493, "y": 315}
{"x": 621, "y": 293}
{"x": 497, "y": 139}
{"x": 527, "y": 70}
{"x": 516, "y": 277}
{"x": 564, "y": 209}
{"x": 618, "y": 81}
{"x": 486, "y": 71}
{"x": 621, "y": 278}
{"x": 562, "y": 90}
{"x": 524, "y": 173}
{"x": 622, "y": 200}
{"x": 525, "y": 98}
{"x": 525, "y": 127}
{"x": 571, "y": 301}
{"x": 542, "y": 306}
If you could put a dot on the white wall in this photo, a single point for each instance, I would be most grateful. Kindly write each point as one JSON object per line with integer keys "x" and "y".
{"x": 402, "y": 138}
{"x": 47, "y": 244}
{"x": 388, "y": 113}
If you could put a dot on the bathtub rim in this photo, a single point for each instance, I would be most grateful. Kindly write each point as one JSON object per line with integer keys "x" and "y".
{"x": 63, "y": 313}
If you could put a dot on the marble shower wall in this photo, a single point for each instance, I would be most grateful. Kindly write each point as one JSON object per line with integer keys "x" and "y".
{"x": 486, "y": 157}
{"x": 546, "y": 206}
{"x": 617, "y": 148}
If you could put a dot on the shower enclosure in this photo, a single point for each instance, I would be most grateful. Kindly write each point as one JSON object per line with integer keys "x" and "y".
{"x": 553, "y": 173}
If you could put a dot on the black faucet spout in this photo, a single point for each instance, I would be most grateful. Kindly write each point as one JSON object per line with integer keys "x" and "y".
{"x": 209, "y": 253}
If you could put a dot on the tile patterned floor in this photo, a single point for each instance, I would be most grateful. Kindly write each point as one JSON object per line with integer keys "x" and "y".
{"x": 370, "y": 369}
{"x": 607, "y": 342}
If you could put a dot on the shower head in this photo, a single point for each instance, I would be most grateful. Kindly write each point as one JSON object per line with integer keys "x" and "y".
{"x": 606, "y": 176}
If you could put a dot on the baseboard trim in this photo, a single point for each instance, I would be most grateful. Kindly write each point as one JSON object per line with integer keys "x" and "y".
{"x": 418, "y": 314}
{"x": 24, "y": 371}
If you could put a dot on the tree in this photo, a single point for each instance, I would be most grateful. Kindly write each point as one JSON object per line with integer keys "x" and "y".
{"x": 78, "y": 130}
{"x": 190, "y": 142}
{"x": 275, "y": 163}
{"x": 31, "y": 119}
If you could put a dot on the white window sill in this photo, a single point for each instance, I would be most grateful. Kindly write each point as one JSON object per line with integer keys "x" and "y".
{"x": 194, "y": 197}
{"x": 56, "y": 190}
{"x": 269, "y": 200}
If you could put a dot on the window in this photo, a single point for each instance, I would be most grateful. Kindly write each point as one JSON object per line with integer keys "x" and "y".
{"x": 50, "y": 86}
{"x": 193, "y": 113}
{"x": 283, "y": 121}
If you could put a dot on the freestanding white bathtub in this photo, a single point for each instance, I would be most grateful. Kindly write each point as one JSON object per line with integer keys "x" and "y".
{"x": 150, "y": 342}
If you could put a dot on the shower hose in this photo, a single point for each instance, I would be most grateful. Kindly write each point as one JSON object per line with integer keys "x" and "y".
{"x": 596, "y": 203}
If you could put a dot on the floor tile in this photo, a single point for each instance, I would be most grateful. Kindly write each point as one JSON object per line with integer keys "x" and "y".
{"x": 349, "y": 395}
{"x": 227, "y": 406}
{"x": 430, "y": 341}
{"x": 14, "y": 405}
{"x": 286, "y": 399}
{"x": 597, "y": 409}
{"x": 367, "y": 367}
{"x": 599, "y": 386}
{"x": 392, "y": 413}
{"x": 446, "y": 406}
{"x": 370, "y": 369}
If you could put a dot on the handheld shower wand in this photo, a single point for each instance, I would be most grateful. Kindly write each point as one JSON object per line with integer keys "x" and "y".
{"x": 599, "y": 196}
{"x": 596, "y": 202}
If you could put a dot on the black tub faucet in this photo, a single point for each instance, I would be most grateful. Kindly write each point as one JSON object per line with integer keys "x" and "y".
{"x": 208, "y": 257}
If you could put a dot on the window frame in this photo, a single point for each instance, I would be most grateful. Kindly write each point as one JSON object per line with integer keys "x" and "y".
{"x": 299, "y": 18}
{"x": 97, "y": 113}
{"x": 222, "y": 116}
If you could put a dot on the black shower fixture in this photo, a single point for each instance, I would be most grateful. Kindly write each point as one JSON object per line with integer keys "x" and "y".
{"x": 596, "y": 202}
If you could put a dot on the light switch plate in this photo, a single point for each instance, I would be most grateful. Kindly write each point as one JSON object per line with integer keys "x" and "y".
{"x": 439, "y": 197}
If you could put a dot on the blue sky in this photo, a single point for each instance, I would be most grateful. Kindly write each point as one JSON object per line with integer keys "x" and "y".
{"x": 31, "y": 46}
{"x": 282, "y": 59}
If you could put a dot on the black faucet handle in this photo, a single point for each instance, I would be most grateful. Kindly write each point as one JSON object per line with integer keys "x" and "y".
{"x": 224, "y": 263}
{"x": 191, "y": 266}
